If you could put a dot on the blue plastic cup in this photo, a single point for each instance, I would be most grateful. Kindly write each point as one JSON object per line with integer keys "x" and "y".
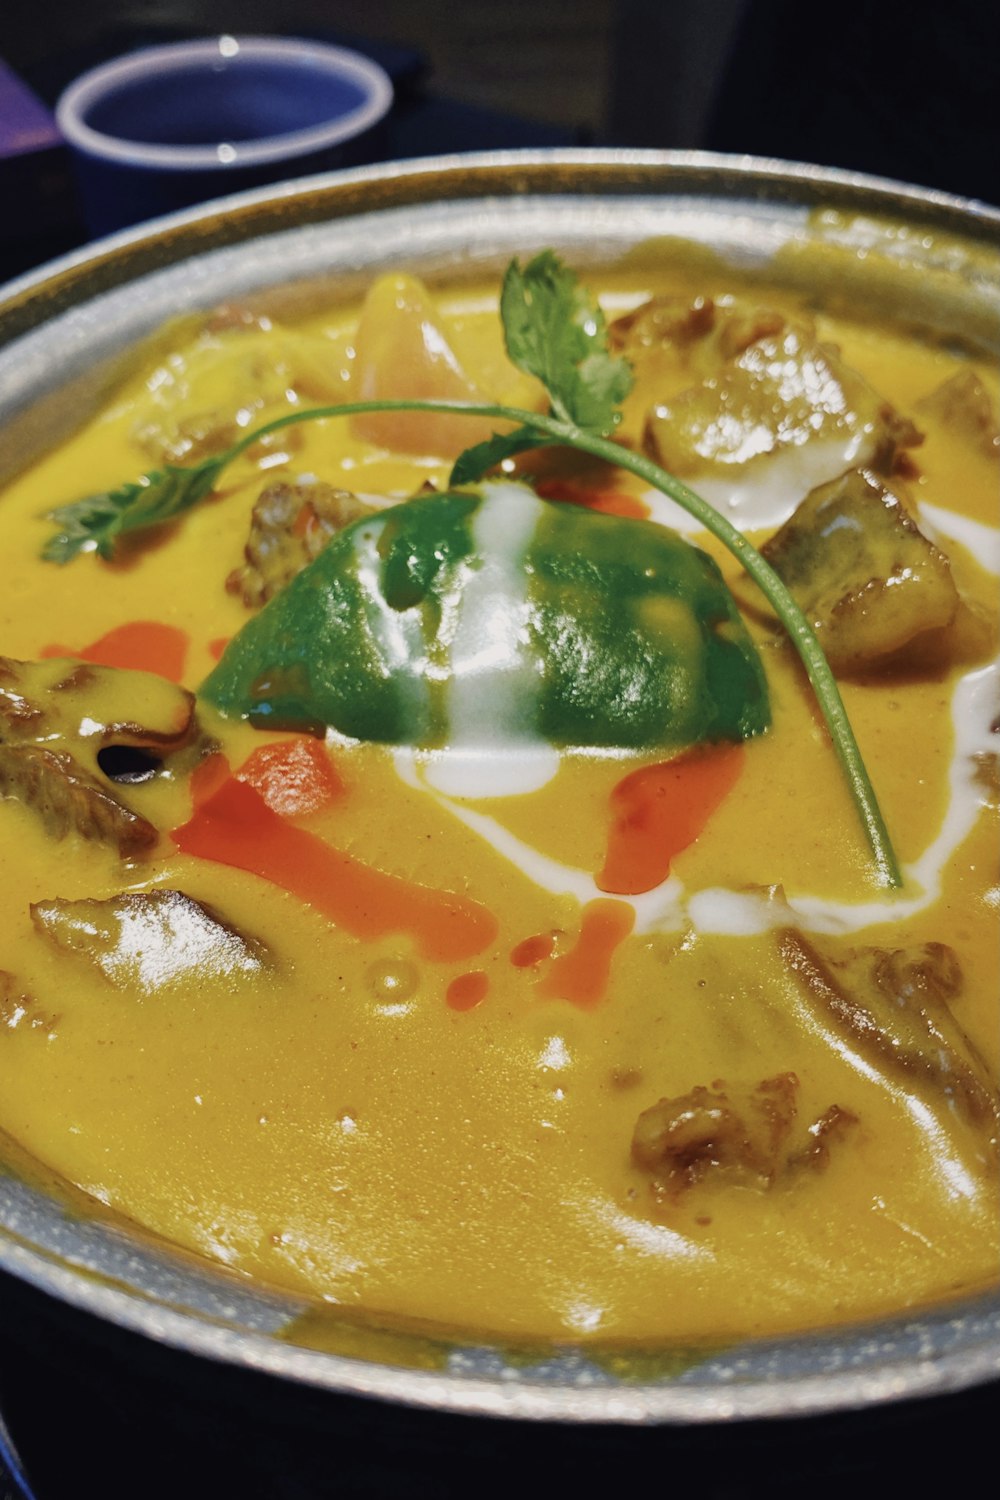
{"x": 166, "y": 127}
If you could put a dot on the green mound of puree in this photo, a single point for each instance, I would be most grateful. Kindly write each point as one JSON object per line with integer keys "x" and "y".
{"x": 461, "y": 617}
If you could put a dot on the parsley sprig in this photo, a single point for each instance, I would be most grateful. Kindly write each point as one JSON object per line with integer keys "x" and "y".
{"x": 95, "y": 523}
{"x": 555, "y": 331}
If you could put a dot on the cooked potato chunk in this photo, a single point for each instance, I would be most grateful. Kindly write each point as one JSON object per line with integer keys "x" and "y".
{"x": 403, "y": 352}
{"x": 779, "y": 392}
{"x": 866, "y": 577}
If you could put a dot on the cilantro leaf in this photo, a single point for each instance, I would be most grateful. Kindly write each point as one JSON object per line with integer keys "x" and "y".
{"x": 95, "y": 523}
{"x": 556, "y": 331}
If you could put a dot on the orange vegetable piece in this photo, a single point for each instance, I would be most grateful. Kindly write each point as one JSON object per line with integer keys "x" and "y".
{"x": 294, "y": 777}
{"x": 611, "y": 502}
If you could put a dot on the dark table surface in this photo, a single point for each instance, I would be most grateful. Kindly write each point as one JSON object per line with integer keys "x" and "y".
{"x": 95, "y": 1411}
{"x": 89, "y": 1410}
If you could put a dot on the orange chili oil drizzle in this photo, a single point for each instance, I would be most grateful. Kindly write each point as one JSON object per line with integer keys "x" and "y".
{"x": 581, "y": 975}
{"x": 139, "y": 645}
{"x": 233, "y": 824}
{"x": 468, "y": 990}
{"x": 658, "y": 811}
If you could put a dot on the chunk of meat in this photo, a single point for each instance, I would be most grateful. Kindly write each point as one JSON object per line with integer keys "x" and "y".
{"x": 894, "y": 1005}
{"x": 290, "y": 525}
{"x": 831, "y": 1126}
{"x": 863, "y": 573}
{"x": 781, "y": 391}
{"x": 662, "y": 320}
{"x": 62, "y": 701}
{"x": 145, "y": 941}
{"x": 71, "y": 732}
{"x": 701, "y": 331}
{"x": 737, "y": 1137}
{"x": 964, "y": 405}
{"x": 70, "y": 801}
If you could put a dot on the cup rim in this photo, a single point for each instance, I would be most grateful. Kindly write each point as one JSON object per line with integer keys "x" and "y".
{"x": 174, "y": 57}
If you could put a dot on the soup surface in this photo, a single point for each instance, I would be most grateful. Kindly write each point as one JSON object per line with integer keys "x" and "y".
{"x": 477, "y": 1023}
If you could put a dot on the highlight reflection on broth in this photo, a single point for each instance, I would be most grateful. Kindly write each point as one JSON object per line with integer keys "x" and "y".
{"x": 445, "y": 900}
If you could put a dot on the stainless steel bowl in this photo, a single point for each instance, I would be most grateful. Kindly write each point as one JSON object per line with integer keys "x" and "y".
{"x": 928, "y": 260}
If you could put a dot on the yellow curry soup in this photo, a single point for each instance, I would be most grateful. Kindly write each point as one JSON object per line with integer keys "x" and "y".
{"x": 574, "y": 1091}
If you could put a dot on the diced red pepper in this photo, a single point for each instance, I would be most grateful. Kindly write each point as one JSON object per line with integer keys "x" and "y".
{"x": 294, "y": 777}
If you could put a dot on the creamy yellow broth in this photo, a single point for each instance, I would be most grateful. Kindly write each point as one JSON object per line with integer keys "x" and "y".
{"x": 328, "y": 1122}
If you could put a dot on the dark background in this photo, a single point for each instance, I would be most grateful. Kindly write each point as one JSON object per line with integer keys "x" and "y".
{"x": 901, "y": 90}
{"x": 908, "y": 90}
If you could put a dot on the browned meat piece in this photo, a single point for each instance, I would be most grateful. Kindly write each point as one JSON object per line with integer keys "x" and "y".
{"x": 291, "y": 524}
{"x": 175, "y": 426}
{"x": 682, "y": 1139}
{"x": 220, "y": 375}
{"x": 69, "y": 800}
{"x": 706, "y": 329}
{"x": 894, "y": 1006}
{"x": 866, "y": 577}
{"x": 146, "y": 940}
{"x": 964, "y": 405}
{"x": 832, "y": 1125}
{"x": 70, "y": 731}
{"x": 736, "y": 1136}
{"x": 779, "y": 392}
{"x": 671, "y": 320}
{"x": 48, "y": 701}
